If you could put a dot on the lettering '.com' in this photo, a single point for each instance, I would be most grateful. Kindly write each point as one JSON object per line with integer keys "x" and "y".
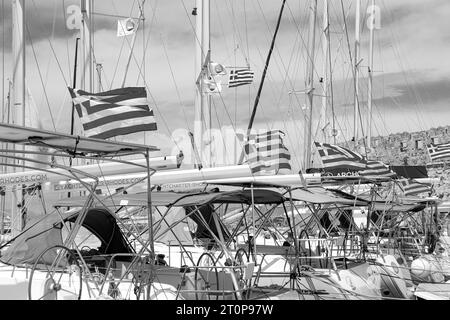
{"x": 23, "y": 179}
{"x": 73, "y": 186}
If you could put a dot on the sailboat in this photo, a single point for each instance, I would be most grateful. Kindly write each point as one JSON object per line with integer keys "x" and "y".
{"x": 235, "y": 175}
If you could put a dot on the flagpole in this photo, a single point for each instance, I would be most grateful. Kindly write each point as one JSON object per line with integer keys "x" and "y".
{"x": 263, "y": 77}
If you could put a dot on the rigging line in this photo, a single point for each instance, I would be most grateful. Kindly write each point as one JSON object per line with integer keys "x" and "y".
{"x": 3, "y": 64}
{"x": 146, "y": 42}
{"x": 53, "y": 51}
{"x": 334, "y": 66}
{"x": 278, "y": 103}
{"x": 376, "y": 105}
{"x": 47, "y": 71}
{"x": 40, "y": 77}
{"x": 282, "y": 92}
{"x": 248, "y": 53}
{"x": 183, "y": 107}
{"x": 279, "y": 55}
{"x": 109, "y": 193}
{"x": 117, "y": 64}
{"x": 220, "y": 94}
{"x": 401, "y": 59}
{"x": 67, "y": 40}
{"x": 354, "y": 77}
{"x": 228, "y": 50}
{"x": 153, "y": 99}
{"x": 151, "y": 95}
{"x": 333, "y": 115}
{"x": 131, "y": 46}
{"x": 308, "y": 55}
{"x": 105, "y": 77}
{"x": 193, "y": 30}
{"x": 246, "y": 31}
{"x": 383, "y": 85}
{"x": 302, "y": 55}
{"x": 235, "y": 63}
{"x": 394, "y": 100}
{"x": 219, "y": 126}
{"x": 270, "y": 125}
{"x": 123, "y": 42}
{"x": 234, "y": 27}
{"x": 143, "y": 38}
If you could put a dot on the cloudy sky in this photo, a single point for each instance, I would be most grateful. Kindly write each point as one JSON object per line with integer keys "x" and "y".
{"x": 411, "y": 65}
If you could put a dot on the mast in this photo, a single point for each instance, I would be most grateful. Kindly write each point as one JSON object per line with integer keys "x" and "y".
{"x": 370, "y": 84}
{"x": 202, "y": 100}
{"x": 87, "y": 76}
{"x": 3, "y": 168}
{"x": 206, "y": 50}
{"x": 356, "y": 68}
{"x": 325, "y": 47}
{"x": 263, "y": 77}
{"x": 18, "y": 94}
{"x": 310, "y": 82}
{"x": 74, "y": 84}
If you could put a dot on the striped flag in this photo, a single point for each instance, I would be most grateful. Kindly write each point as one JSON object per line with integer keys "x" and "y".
{"x": 412, "y": 187}
{"x": 338, "y": 158}
{"x": 439, "y": 151}
{"x": 377, "y": 168}
{"x": 113, "y": 113}
{"x": 239, "y": 77}
{"x": 266, "y": 152}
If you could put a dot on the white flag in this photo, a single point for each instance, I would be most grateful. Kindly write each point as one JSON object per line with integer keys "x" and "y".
{"x": 126, "y": 27}
{"x": 217, "y": 69}
{"x": 212, "y": 85}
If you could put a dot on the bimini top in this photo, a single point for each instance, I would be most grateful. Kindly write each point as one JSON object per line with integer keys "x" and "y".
{"x": 71, "y": 144}
{"x": 318, "y": 195}
{"x": 398, "y": 207}
{"x": 178, "y": 199}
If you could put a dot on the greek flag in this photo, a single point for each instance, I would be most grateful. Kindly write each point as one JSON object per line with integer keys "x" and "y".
{"x": 266, "y": 152}
{"x": 439, "y": 152}
{"x": 335, "y": 157}
{"x": 412, "y": 187}
{"x": 239, "y": 77}
{"x": 113, "y": 113}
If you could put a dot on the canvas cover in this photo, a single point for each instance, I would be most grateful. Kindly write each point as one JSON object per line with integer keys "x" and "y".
{"x": 47, "y": 231}
{"x": 174, "y": 219}
{"x": 179, "y": 199}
